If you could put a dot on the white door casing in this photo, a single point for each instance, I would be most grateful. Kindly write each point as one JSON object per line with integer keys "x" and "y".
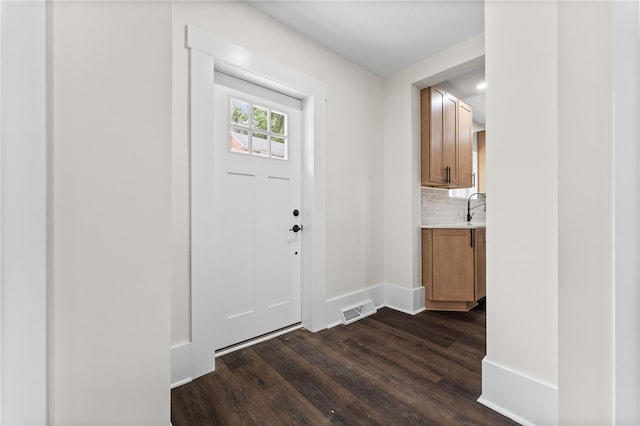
{"x": 23, "y": 213}
{"x": 256, "y": 262}
{"x": 208, "y": 54}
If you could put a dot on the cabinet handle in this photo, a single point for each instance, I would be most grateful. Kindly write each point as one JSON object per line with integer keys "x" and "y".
{"x": 471, "y": 232}
{"x": 448, "y": 174}
{"x": 473, "y": 179}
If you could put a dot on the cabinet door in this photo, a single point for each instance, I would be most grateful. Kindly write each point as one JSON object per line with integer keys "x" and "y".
{"x": 465, "y": 146}
{"x": 450, "y": 150}
{"x": 453, "y": 265}
{"x": 427, "y": 262}
{"x": 482, "y": 161}
{"x": 432, "y": 136}
{"x": 446, "y": 140}
{"x": 480, "y": 247}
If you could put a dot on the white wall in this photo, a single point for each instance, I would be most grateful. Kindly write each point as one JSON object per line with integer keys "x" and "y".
{"x": 23, "y": 281}
{"x": 520, "y": 370}
{"x": 522, "y": 165}
{"x": 111, "y": 207}
{"x": 555, "y": 271}
{"x": 112, "y": 165}
{"x": 402, "y": 195}
{"x": 585, "y": 215}
{"x": 626, "y": 57}
{"x": 354, "y": 146}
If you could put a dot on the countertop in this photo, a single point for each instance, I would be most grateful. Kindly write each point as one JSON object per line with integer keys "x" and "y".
{"x": 456, "y": 225}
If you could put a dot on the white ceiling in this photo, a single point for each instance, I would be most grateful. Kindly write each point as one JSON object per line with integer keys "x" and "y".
{"x": 386, "y": 36}
{"x": 381, "y": 36}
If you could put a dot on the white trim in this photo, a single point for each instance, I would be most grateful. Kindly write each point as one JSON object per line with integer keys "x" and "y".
{"x": 180, "y": 364}
{"x": 201, "y": 227}
{"x": 258, "y": 340}
{"x": 626, "y": 321}
{"x": 504, "y": 412}
{"x": 407, "y": 300}
{"x": 2, "y": 37}
{"x": 209, "y": 53}
{"x": 517, "y": 396}
{"x": 181, "y": 382}
{"x": 23, "y": 202}
{"x": 255, "y": 90}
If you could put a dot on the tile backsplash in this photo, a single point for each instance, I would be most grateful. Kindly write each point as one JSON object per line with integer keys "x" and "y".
{"x": 438, "y": 208}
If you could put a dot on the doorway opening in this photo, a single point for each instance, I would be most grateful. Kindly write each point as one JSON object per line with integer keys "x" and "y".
{"x": 211, "y": 57}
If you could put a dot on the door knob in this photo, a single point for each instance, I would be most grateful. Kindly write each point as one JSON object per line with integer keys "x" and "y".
{"x": 296, "y": 228}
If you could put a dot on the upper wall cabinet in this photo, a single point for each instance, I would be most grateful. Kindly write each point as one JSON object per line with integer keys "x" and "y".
{"x": 446, "y": 140}
{"x": 482, "y": 161}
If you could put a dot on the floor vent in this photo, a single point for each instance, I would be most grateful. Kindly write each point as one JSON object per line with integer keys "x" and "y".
{"x": 358, "y": 311}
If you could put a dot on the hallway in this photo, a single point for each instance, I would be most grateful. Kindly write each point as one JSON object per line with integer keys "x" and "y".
{"x": 389, "y": 368}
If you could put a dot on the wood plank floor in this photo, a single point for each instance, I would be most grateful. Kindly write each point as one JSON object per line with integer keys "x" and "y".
{"x": 387, "y": 369}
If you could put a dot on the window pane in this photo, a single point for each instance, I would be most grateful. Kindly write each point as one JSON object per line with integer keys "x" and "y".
{"x": 260, "y": 118}
{"x": 239, "y": 140}
{"x": 239, "y": 112}
{"x": 278, "y": 123}
{"x": 278, "y": 147}
{"x": 257, "y": 130}
{"x": 259, "y": 145}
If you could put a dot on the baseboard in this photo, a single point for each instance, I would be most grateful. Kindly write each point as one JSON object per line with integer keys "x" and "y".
{"x": 407, "y": 300}
{"x": 333, "y": 315}
{"x": 181, "y": 364}
{"x": 521, "y": 398}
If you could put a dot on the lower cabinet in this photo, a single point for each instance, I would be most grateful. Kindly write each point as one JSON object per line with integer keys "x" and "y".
{"x": 453, "y": 268}
{"x": 480, "y": 253}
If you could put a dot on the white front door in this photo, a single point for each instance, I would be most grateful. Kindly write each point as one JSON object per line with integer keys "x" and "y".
{"x": 257, "y": 254}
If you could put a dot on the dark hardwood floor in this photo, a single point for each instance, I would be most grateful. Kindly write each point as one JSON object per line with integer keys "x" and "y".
{"x": 388, "y": 369}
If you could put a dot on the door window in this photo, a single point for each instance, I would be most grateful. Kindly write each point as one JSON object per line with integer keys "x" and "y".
{"x": 257, "y": 130}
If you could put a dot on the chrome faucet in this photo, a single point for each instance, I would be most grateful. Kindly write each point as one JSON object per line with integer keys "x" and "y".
{"x": 469, "y": 208}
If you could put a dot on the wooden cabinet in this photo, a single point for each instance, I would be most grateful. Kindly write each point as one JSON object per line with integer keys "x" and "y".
{"x": 439, "y": 115}
{"x": 446, "y": 140}
{"x": 480, "y": 253}
{"x": 453, "y": 268}
{"x": 482, "y": 161}
{"x": 465, "y": 145}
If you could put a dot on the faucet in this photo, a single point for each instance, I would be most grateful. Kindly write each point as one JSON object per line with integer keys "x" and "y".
{"x": 469, "y": 208}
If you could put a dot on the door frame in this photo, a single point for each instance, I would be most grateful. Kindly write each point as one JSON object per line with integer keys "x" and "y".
{"x": 209, "y": 53}
{"x": 23, "y": 213}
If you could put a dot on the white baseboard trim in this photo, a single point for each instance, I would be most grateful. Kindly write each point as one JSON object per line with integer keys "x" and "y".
{"x": 521, "y": 398}
{"x": 407, "y": 300}
{"x": 332, "y": 309}
{"x": 505, "y": 413}
{"x": 181, "y": 364}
